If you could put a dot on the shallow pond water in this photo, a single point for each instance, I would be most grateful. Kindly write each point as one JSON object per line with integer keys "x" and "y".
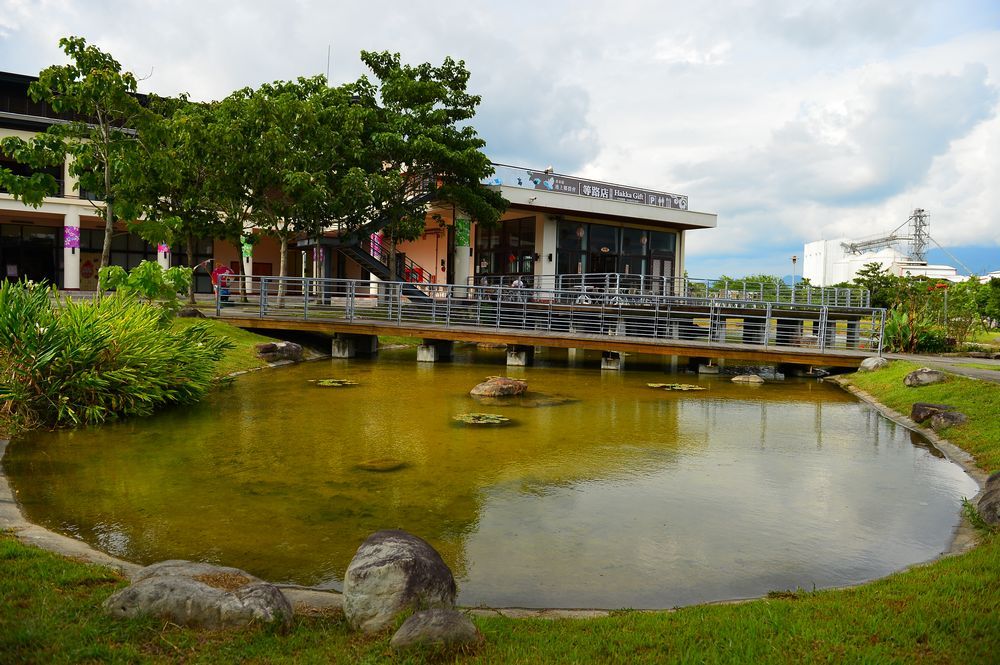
{"x": 617, "y": 495}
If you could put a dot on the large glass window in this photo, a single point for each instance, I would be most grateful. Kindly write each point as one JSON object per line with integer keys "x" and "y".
{"x": 599, "y": 248}
{"x": 507, "y": 249}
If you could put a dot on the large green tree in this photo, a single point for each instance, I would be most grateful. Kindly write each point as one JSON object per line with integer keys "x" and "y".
{"x": 424, "y": 144}
{"x": 100, "y": 139}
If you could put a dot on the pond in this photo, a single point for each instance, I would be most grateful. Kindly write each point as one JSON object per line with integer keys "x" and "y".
{"x": 598, "y": 492}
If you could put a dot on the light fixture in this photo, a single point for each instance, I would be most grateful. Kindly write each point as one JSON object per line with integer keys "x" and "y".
{"x": 550, "y": 257}
{"x": 579, "y": 232}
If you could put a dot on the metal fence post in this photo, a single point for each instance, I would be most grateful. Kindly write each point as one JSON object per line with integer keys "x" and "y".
{"x": 305, "y": 300}
{"x": 767, "y": 326}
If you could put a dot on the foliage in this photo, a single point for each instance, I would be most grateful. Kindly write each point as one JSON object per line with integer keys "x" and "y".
{"x": 880, "y": 283}
{"x": 988, "y": 303}
{"x": 148, "y": 280}
{"x": 85, "y": 362}
{"x": 100, "y": 139}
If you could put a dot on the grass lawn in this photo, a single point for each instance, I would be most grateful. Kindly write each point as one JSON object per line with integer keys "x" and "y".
{"x": 945, "y": 612}
{"x": 981, "y": 366}
{"x": 241, "y": 356}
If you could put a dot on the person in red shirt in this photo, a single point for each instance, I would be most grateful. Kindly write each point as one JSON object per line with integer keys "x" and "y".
{"x": 220, "y": 281}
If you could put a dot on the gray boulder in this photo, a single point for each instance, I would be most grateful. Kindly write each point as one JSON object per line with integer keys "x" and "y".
{"x": 921, "y": 411}
{"x": 873, "y": 364}
{"x": 748, "y": 378}
{"x": 924, "y": 376}
{"x": 393, "y": 571}
{"x": 190, "y": 313}
{"x": 200, "y": 595}
{"x": 989, "y": 506}
{"x": 499, "y": 386}
{"x": 275, "y": 351}
{"x": 947, "y": 419}
{"x": 435, "y": 628}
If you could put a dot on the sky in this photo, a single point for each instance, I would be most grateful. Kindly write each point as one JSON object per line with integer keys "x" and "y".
{"x": 792, "y": 121}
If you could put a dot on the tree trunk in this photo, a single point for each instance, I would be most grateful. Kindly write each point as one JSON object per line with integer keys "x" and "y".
{"x": 191, "y": 264}
{"x": 282, "y": 267}
{"x": 109, "y": 229}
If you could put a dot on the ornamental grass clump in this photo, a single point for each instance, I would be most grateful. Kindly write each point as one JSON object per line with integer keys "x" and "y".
{"x": 65, "y": 363}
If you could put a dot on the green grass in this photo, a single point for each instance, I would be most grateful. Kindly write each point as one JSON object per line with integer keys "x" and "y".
{"x": 979, "y": 400}
{"x": 980, "y": 366}
{"x": 241, "y": 356}
{"x": 393, "y": 340}
{"x": 944, "y": 612}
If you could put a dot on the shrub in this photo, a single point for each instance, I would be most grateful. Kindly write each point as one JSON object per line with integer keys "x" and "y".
{"x": 149, "y": 281}
{"x": 85, "y": 362}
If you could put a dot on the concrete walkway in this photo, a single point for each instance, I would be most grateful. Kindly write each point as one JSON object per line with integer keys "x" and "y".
{"x": 954, "y": 365}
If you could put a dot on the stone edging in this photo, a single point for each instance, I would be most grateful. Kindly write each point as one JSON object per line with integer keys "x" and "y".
{"x": 309, "y": 600}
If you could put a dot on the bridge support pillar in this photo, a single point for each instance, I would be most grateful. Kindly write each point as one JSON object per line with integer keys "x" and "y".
{"x": 349, "y": 346}
{"x": 789, "y": 331}
{"x": 612, "y": 361}
{"x": 520, "y": 356}
{"x": 753, "y": 332}
{"x": 853, "y": 334}
{"x": 435, "y": 350}
{"x": 830, "y": 334}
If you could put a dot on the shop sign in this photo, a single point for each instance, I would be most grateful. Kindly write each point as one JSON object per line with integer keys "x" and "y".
{"x": 509, "y": 176}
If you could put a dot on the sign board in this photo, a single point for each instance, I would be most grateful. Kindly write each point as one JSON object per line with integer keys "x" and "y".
{"x": 510, "y": 176}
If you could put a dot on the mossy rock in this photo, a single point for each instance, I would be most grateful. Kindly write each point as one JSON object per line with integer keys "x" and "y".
{"x": 675, "y": 386}
{"x": 382, "y": 465}
{"x": 336, "y": 383}
{"x": 482, "y": 419}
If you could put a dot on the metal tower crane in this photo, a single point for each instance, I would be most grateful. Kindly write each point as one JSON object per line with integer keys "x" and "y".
{"x": 918, "y": 237}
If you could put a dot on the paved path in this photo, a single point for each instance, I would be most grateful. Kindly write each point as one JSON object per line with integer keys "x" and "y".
{"x": 954, "y": 365}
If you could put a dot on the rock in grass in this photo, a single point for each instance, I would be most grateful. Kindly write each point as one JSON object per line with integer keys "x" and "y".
{"x": 924, "y": 376}
{"x": 200, "y": 595}
{"x": 921, "y": 411}
{"x": 748, "y": 378}
{"x": 435, "y": 628}
{"x": 873, "y": 364}
{"x": 274, "y": 351}
{"x": 391, "y": 572}
{"x": 989, "y": 506}
{"x": 947, "y": 419}
{"x": 190, "y": 313}
{"x": 499, "y": 386}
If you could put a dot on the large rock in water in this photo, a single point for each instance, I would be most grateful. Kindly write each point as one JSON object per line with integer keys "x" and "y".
{"x": 431, "y": 628}
{"x": 989, "y": 503}
{"x": 873, "y": 364}
{"x": 499, "y": 386}
{"x": 924, "y": 376}
{"x": 748, "y": 378}
{"x": 393, "y": 571}
{"x": 200, "y": 595}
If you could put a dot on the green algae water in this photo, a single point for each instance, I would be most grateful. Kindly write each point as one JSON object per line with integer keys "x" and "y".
{"x": 598, "y": 492}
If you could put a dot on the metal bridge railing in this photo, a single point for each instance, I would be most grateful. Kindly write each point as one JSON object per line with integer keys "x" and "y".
{"x": 711, "y": 320}
{"x": 628, "y": 284}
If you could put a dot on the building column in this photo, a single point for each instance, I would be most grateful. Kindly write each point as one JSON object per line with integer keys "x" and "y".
{"x": 463, "y": 252}
{"x": 163, "y": 255}
{"x": 246, "y": 252}
{"x": 71, "y": 251}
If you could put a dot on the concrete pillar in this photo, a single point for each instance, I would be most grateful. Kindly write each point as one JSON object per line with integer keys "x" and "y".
{"x": 520, "y": 356}
{"x": 463, "y": 253}
{"x": 718, "y": 329}
{"x": 71, "y": 251}
{"x": 435, "y": 350}
{"x": 753, "y": 331}
{"x": 830, "y": 334}
{"x": 163, "y": 255}
{"x": 349, "y": 346}
{"x": 612, "y": 360}
{"x": 246, "y": 252}
{"x": 789, "y": 331}
{"x": 853, "y": 333}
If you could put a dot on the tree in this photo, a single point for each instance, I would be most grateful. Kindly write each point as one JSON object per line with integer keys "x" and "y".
{"x": 988, "y": 303}
{"x": 100, "y": 139}
{"x": 881, "y": 284}
{"x": 424, "y": 145}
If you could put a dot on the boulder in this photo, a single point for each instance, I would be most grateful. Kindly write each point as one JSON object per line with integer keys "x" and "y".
{"x": 924, "y": 376}
{"x": 873, "y": 364}
{"x": 200, "y": 595}
{"x": 275, "y": 351}
{"x": 748, "y": 378}
{"x": 989, "y": 505}
{"x": 944, "y": 419}
{"x": 921, "y": 411}
{"x": 435, "y": 628}
{"x": 993, "y": 482}
{"x": 499, "y": 386}
{"x": 391, "y": 572}
{"x": 190, "y": 313}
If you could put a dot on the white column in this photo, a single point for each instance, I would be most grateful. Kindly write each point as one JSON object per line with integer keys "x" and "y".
{"x": 163, "y": 255}
{"x": 463, "y": 251}
{"x": 547, "y": 247}
{"x": 246, "y": 252}
{"x": 71, "y": 250}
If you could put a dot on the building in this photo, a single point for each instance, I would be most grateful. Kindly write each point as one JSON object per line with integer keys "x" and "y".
{"x": 556, "y": 224}
{"x": 828, "y": 262}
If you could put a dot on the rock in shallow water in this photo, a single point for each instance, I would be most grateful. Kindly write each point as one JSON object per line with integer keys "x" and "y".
{"x": 200, "y": 595}
{"x": 393, "y": 571}
{"x": 499, "y": 386}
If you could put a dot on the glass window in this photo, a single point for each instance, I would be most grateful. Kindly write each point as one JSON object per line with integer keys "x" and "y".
{"x": 603, "y": 239}
{"x": 119, "y": 241}
{"x": 633, "y": 241}
{"x": 662, "y": 242}
{"x": 571, "y": 235}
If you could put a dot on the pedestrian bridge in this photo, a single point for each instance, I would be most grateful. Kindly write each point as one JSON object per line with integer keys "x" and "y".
{"x": 710, "y": 326}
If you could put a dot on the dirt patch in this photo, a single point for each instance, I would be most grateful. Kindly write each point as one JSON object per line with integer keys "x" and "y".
{"x": 224, "y": 581}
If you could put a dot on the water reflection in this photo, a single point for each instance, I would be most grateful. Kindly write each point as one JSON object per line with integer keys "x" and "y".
{"x": 626, "y": 496}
